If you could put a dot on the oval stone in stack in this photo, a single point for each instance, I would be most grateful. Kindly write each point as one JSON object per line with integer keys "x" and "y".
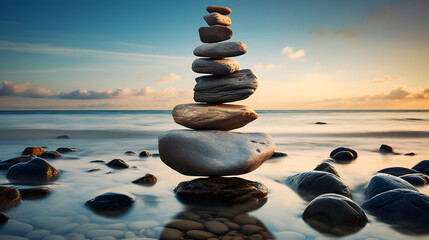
{"x": 215, "y": 18}
{"x": 223, "y": 117}
{"x": 219, "y": 9}
{"x": 225, "y": 88}
{"x": 215, "y": 33}
{"x": 214, "y": 153}
{"x": 215, "y": 67}
{"x": 221, "y": 50}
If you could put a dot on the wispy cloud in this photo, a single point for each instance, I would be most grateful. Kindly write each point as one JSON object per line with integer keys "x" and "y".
{"x": 385, "y": 79}
{"x": 344, "y": 33}
{"x": 383, "y": 15}
{"x": 170, "y": 78}
{"x": 28, "y": 90}
{"x": 60, "y": 50}
{"x": 293, "y": 54}
{"x": 260, "y": 66}
{"x": 133, "y": 44}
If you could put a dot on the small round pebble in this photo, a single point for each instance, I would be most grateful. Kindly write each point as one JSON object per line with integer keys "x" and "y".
{"x": 216, "y": 227}
{"x": 171, "y": 234}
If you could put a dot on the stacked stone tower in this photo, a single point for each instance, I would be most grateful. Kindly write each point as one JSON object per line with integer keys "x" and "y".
{"x": 209, "y": 149}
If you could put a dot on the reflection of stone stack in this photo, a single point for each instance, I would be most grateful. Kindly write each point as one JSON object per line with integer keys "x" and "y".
{"x": 216, "y": 152}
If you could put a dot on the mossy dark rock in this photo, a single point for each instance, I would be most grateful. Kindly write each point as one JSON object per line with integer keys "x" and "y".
{"x": 6, "y": 164}
{"x": 147, "y": 179}
{"x": 9, "y": 197}
{"x": 309, "y": 185}
{"x": 416, "y": 179}
{"x": 34, "y": 193}
{"x": 398, "y": 171}
{"x": 35, "y": 171}
{"x": 384, "y": 182}
{"x": 118, "y": 164}
{"x": 66, "y": 150}
{"x": 36, "y": 151}
{"x": 51, "y": 155}
{"x": 407, "y": 210}
{"x": 342, "y": 149}
{"x": 229, "y": 190}
{"x": 334, "y": 214}
{"x": 111, "y": 204}
{"x": 326, "y": 167}
{"x": 422, "y": 167}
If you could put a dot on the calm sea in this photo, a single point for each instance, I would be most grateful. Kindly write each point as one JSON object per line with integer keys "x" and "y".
{"x": 106, "y": 135}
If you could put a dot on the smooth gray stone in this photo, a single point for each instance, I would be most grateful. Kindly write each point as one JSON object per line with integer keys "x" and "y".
{"x": 217, "y": 89}
{"x": 215, "y": 33}
{"x": 219, "y": 9}
{"x": 215, "y": 66}
{"x": 214, "y": 153}
{"x": 213, "y": 117}
{"x": 384, "y": 182}
{"x": 221, "y": 49}
{"x": 215, "y": 18}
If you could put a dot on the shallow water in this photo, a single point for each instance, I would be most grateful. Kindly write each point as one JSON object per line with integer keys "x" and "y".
{"x": 107, "y": 135}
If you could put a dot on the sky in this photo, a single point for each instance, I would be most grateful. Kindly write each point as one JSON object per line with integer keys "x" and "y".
{"x": 137, "y": 55}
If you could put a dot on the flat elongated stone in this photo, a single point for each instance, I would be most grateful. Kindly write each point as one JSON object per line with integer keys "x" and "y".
{"x": 213, "y": 117}
{"x": 215, "y": 33}
{"x": 215, "y": 18}
{"x": 216, "y": 67}
{"x": 217, "y": 89}
{"x": 219, "y": 9}
{"x": 214, "y": 153}
{"x": 221, "y": 49}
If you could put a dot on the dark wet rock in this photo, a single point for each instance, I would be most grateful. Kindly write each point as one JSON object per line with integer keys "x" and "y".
{"x": 66, "y": 150}
{"x": 422, "y": 167}
{"x": 3, "y": 218}
{"x": 36, "y": 151}
{"x": 63, "y": 137}
{"x": 386, "y": 149}
{"x": 278, "y": 154}
{"x": 410, "y": 154}
{"x": 214, "y": 153}
{"x": 312, "y": 184}
{"x": 155, "y": 155}
{"x": 34, "y": 193}
{"x": 397, "y": 171}
{"x": 9, "y": 197}
{"x": 334, "y": 214}
{"x": 326, "y": 167}
{"x": 384, "y": 182}
{"x": 219, "y": 9}
{"x": 343, "y": 156}
{"x": 215, "y": 33}
{"x": 97, "y": 161}
{"x": 320, "y": 123}
{"x": 220, "y": 190}
{"x": 111, "y": 204}
{"x": 147, "y": 179}
{"x": 35, "y": 171}
{"x": 145, "y": 154}
{"x": 6, "y": 164}
{"x": 341, "y": 149}
{"x": 51, "y": 155}
{"x": 130, "y": 153}
{"x": 118, "y": 164}
{"x": 94, "y": 170}
{"x": 416, "y": 179}
{"x": 407, "y": 210}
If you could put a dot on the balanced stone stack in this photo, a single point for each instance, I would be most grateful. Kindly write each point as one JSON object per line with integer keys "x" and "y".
{"x": 209, "y": 149}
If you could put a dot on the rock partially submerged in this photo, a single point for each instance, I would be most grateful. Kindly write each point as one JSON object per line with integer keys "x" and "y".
{"x": 147, "y": 179}
{"x": 145, "y": 154}
{"x": 51, "y": 155}
{"x": 343, "y": 154}
{"x": 398, "y": 171}
{"x": 34, "y": 193}
{"x": 386, "y": 149}
{"x": 334, "y": 214}
{"x": 407, "y": 210}
{"x": 9, "y": 197}
{"x": 118, "y": 164}
{"x": 416, "y": 179}
{"x": 384, "y": 182}
{"x": 35, "y": 171}
{"x": 230, "y": 190}
{"x": 309, "y": 185}
{"x": 111, "y": 203}
{"x": 36, "y": 151}
{"x": 214, "y": 153}
{"x": 422, "y": 167}
{"x": 326, "y": 167}
{"x": 6, "y": 164}
{"x": 66, "y": 149}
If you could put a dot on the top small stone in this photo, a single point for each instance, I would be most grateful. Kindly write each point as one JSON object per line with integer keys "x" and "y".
{"x": 219, "y": 9}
